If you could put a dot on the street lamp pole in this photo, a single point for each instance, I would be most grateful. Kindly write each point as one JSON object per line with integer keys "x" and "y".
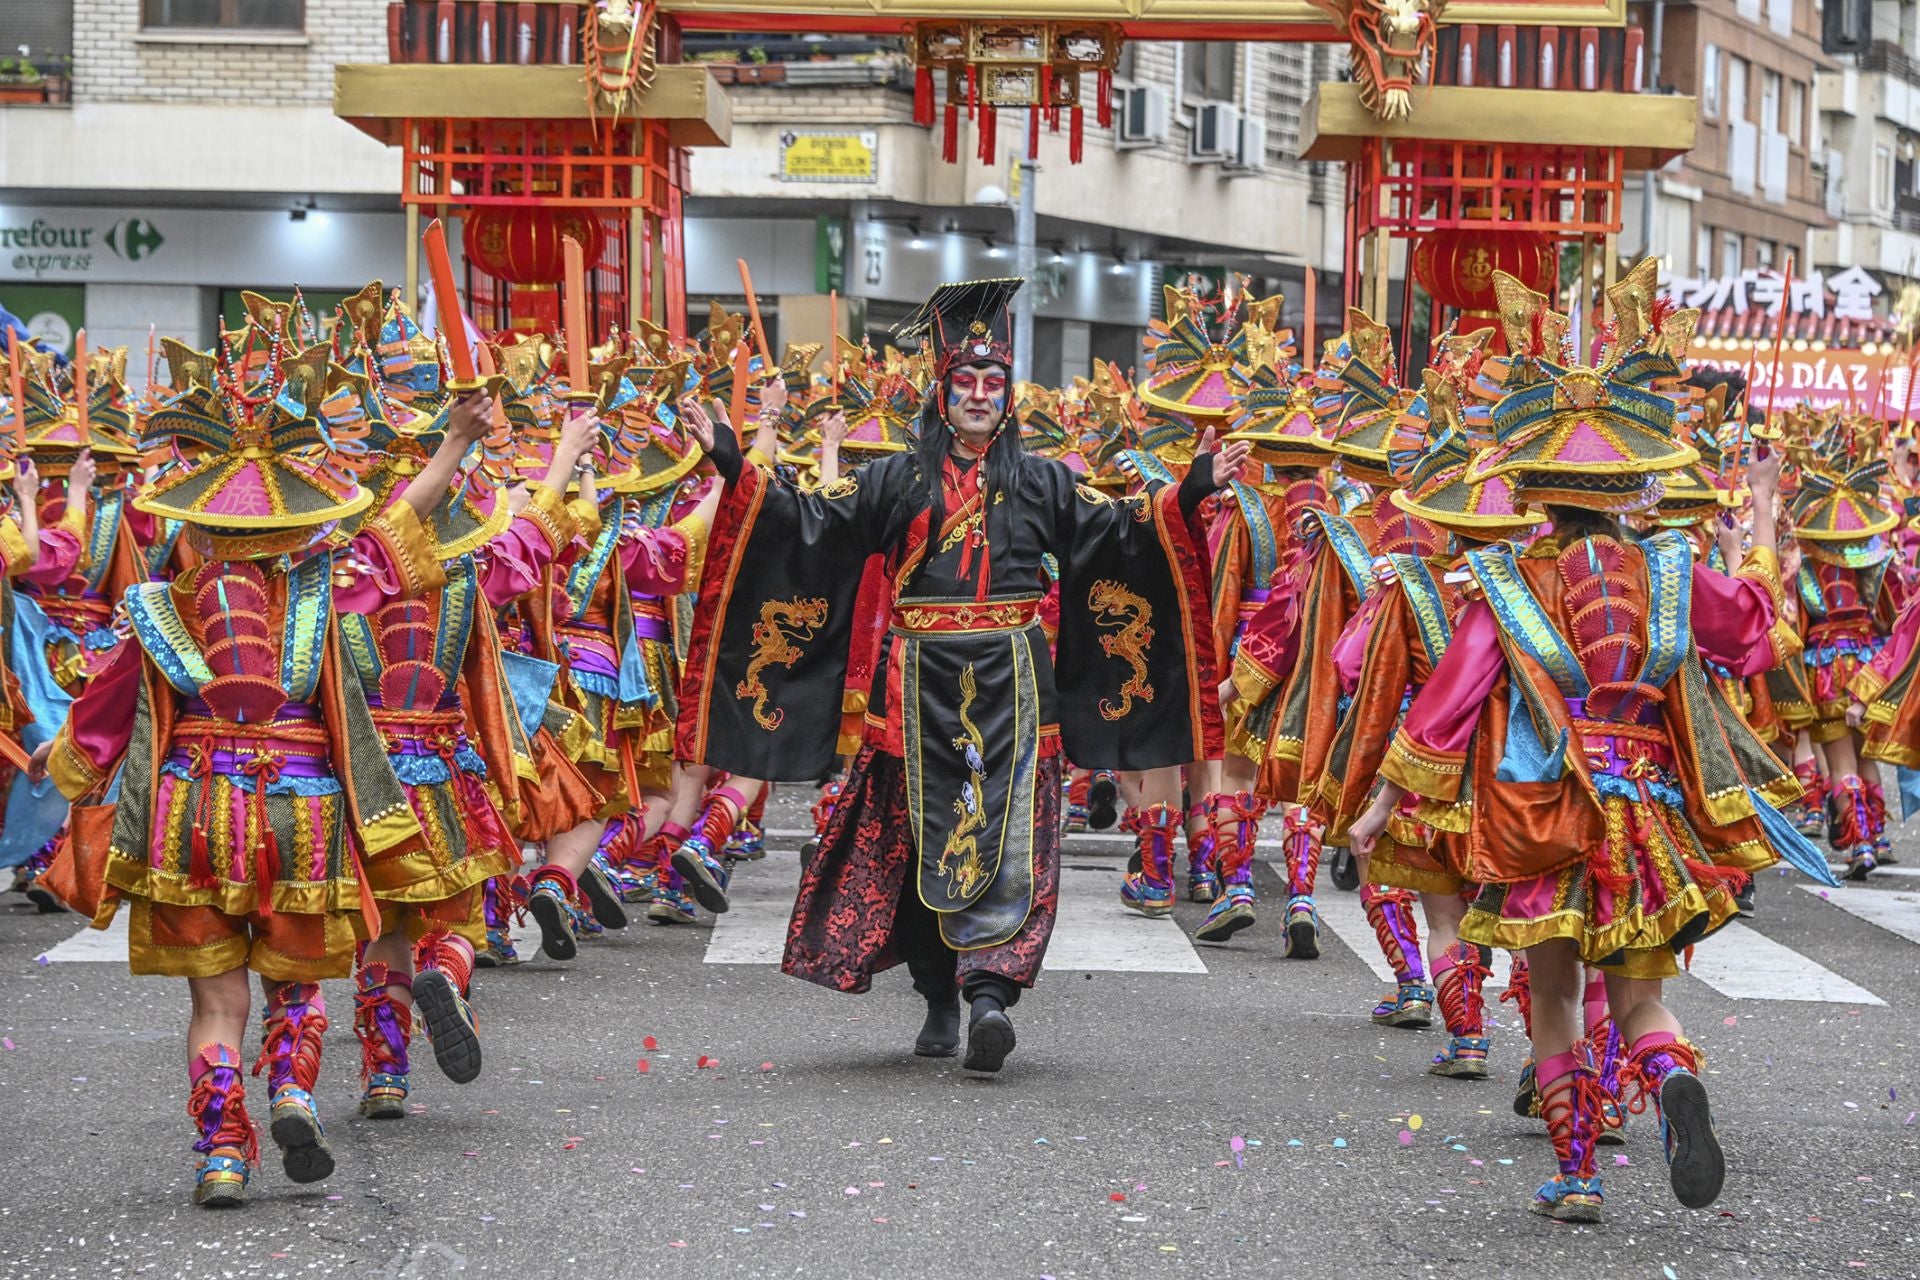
{"x": 1023, "y": 258}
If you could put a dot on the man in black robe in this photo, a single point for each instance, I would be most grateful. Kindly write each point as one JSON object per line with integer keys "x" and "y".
{"x": 944, "y": 848}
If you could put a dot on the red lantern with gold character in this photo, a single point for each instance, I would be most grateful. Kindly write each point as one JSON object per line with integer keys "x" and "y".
{"x": 521, "y": 244}
{"x": 1456, "y": 266}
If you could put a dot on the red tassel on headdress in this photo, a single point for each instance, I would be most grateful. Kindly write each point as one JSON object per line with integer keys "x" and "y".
{"x": 1033, "y": 133}
{"x": 923, "y": 96}
{"x": 989, "y": 125}
{"x": 1105, "y": 91}
{"x": 973, "y": 90}
{"x": 1076, "y": 135}
{"x": 950, "y": 144}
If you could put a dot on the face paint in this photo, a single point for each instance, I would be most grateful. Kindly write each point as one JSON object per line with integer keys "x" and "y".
{"x": 977, "y": 397}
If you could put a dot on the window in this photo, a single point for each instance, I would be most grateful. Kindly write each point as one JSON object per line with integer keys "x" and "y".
{"x": 1702, "y": 250}
{"x": 1729, "y": 253}
{"x": 239, "y": 15}
{"x": 1883, "y": 178}
{"x": 1207, "y": 71}
{"x": 1737, "y": 69}
{"x": 1769, "y": 101}
{"x": 1710, "y": 82}
{"x": 1763, "y": 254}
{"x": 1796, "y": 112}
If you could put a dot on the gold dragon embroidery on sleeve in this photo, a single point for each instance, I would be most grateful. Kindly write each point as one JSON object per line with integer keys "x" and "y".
{"x": 783, "y": 625}
{"x": 1128, "y": 618}
{"x": 963, "y": 843}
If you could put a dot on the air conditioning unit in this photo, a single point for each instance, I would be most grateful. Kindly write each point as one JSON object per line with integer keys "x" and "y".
{"x": 1215, "y": 137}
{"x": 1146, "y": 117}
{"x": 1250, "y": 151}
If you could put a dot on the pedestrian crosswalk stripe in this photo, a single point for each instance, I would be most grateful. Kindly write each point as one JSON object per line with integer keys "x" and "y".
{"x": 1896, "y": 912}
{"x": 1840, "y": 869}
{"x": 93, "y": 945}
{"x": 1744, "y": 964}
{"x": 1093, "y": 931}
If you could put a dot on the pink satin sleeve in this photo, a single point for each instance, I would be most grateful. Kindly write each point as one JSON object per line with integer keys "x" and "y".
{"x": 1350, "y": 650}
{"x": 655, "y": 561}
{"x": 59, "y": 557}
{"x": 1894, "y": 653}
{"x": 376, "y": 578}
{"x": 1445, "y": 711}
{"x": 100, "y": 721}
{"x": 1731, "y": 618}
{"x": 512, "y": 563}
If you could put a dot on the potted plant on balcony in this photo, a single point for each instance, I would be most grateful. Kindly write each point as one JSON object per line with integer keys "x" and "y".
{"x": 21, "y": 81}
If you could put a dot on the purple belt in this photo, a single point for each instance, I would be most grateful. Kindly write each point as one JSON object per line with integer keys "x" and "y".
{"x": 1647, "y": 715}
{"x": 234, "y": 764}
{"x": 287, "y": 711}
{"x": 1257, "y": 595}
{"x": 651, "y": 628}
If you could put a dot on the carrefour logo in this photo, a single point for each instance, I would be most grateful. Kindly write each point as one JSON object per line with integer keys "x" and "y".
{"x": 134, "y": 238}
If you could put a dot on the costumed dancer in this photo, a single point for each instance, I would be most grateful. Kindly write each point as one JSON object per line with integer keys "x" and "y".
{"x": 1384, "y": 660}
{"x": 1610, "y": 800}
{"x": 947, "y": 856}
{"x": 251, "y": 792}
{"x": 1841, "y": 525}
{"x": 429, "y": 667}
{"x": 1261, "y": 561}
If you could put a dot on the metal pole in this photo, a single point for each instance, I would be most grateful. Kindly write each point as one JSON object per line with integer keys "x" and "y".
{"x": 1023, "y": 259}
{"x": 1647, "y": 179}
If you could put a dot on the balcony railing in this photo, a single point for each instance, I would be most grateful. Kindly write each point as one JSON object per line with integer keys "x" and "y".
{"x": 1887, "y": 57}
{"x": 35, "y": 79}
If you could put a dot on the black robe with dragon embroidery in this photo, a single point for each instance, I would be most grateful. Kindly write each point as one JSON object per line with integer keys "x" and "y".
{"x": 966, "y": 696}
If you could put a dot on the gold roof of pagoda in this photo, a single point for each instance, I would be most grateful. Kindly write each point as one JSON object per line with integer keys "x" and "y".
{"x": 379, "y": 98}
{"x": 1143, "y": 19}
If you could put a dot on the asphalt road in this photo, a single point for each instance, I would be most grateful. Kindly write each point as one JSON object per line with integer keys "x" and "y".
{"x": 1202, "y": 1111}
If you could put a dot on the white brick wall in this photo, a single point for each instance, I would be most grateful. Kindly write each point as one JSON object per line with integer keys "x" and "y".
{"x": 112, "y": 65}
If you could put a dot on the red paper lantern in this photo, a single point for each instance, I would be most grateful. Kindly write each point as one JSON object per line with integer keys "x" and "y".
{"x": 521, "y": 244}
{"x": 1456, "y": 264}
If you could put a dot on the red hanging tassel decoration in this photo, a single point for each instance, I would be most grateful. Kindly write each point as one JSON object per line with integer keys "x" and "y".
{"x": 989, "y": 125}
{"x": 1076, "y": 135}
{"x": 950, "y": 145}
{"x": 1105, "y": 90}
{"x": 973, "y": 90}
{"x": 1033, "y": 133}
{"x": 923, "y": 97}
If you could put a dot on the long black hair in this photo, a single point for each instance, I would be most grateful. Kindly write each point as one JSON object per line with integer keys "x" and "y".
{"x": 1001, "y": 460}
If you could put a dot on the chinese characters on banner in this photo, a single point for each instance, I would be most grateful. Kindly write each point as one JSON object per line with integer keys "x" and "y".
{"x": 1848, "y": 295}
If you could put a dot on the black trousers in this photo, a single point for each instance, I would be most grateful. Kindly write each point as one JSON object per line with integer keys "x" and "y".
{"x": 935, "y": 965}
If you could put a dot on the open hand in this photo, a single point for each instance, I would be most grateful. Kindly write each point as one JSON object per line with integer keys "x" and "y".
{"x": 26, "y": 483}
{"x": 80, "y": 476}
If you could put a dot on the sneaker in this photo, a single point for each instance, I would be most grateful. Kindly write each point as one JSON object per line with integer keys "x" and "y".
{"x": 1860, "y": 862}
{"x": 450, "y": 1025}
{"x": 1140, "y": 892}
{"x": 1464, "y": 1058}
{"x": 585, "y": 927}
{"x": 499, "y": 951}
{"x": 746, "y": 844}
{"x": 1694, "y": 1160}
{"x": 671, "y": 906}
{"x": 1410, "y": 1007}
{"x": 1568, "y": 1199}
{"x": 221, "y": 1180}
{"x": 385, "y": 1097}
{"x": 596, "y": 886}
{"x": 1232, "y": 911}
{"x": 296, "y": 1130}
{"x": 549, "y": 907}
{"x": 1303, "y": 930}
{"x": 706, "y": 877}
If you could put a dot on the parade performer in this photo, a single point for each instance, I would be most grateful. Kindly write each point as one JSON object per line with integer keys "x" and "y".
{"x": 430, "y": 670}
{"x": 252, "y": 790}
{"x": 1841, "y": 526}
{"x": 1262, "y": 557}
{"x": 943, "y": 849}
{"x": 1385, "y": 660}
{"x": 1611, "y": 802}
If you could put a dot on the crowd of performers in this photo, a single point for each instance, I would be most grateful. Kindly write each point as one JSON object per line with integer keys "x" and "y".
{"x": 345, "y": 665}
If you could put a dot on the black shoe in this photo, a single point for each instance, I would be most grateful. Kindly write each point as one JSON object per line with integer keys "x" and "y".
{"x": 1103, "y": 798}
{"x": 1743, "y": 900}
{"x": 989, "y": 1041}
{"x": 450, "y": 1027}
{"x": 940, "y": 1034}
{"x": 556, "y": 931}
{"x": 601, "y": 899}
{"x": 1694, "y": 1161}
